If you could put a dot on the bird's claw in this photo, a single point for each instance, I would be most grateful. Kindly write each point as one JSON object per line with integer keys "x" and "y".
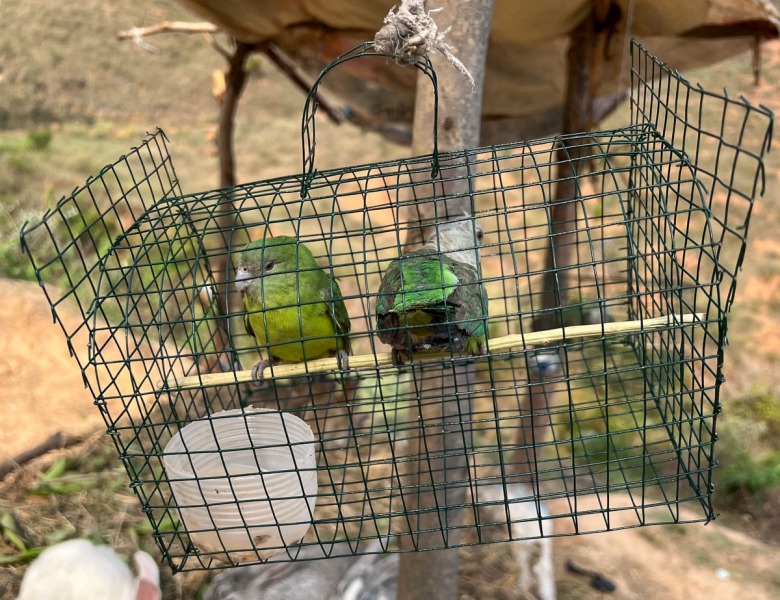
{"x": 396, "y": 357}
{"x": 476, "y": 347}
{"x": 343, "y": 359}
{"x": 257, "y": 372}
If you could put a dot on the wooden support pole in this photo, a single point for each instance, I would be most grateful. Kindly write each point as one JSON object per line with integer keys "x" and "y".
{"x": 235, "y": 80}
{"x": 584, "y": 65}
{"x": 443, "y": 409}
{"x": 571, "y": 157}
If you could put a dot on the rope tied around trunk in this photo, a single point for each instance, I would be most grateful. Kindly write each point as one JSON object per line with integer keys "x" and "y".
{"x": 411, "y": 32}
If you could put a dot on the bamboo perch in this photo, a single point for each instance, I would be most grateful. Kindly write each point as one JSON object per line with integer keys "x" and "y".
{"x": 371, "y": 361}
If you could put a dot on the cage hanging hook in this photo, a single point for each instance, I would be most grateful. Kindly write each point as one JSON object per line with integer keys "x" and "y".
{"x": 308, "y": 124}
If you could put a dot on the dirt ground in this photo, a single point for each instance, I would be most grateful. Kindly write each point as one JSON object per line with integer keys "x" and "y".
{"x": 674, "y": 562}
{"x": 42, "y": 390}
{"x": 654, "y": 562}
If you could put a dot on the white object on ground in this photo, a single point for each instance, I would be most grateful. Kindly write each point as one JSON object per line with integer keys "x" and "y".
{"x": 722, "y": 573}
{"x": 77, "y": 569}
{"x": 529, "y": 519}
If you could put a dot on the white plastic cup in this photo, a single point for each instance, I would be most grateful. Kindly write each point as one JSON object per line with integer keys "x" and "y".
{"x": 244, "y": 508}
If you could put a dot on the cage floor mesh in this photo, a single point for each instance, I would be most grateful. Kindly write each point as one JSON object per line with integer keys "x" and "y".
{"x": 443, "y": 451}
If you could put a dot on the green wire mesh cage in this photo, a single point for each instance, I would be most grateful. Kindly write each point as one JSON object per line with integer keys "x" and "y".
{"x": 575, "y": 419}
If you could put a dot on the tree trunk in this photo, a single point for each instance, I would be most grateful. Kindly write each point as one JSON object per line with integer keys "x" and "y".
{"x": 444, "y": 403}
{"x": 572, "y": 155}
{"x": 228, "y": 303}
{"x": 235, "y": 80}
{"x": 587, "y": 42}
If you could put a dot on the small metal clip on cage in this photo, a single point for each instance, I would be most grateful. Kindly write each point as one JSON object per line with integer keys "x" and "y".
{"x": 623, "y": 393}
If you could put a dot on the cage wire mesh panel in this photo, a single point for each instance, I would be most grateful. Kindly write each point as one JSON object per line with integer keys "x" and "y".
{"x": 231, "y": 473}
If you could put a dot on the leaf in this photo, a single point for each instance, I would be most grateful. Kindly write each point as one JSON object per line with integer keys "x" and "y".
{"x": 56, "y": 470}
{"x": 59, "y": 535}
{"x": 68, "y": 484}
{"x": 166, "y": 525}
{"x": 10, "y": 532}
{"x": 25, "y": 556}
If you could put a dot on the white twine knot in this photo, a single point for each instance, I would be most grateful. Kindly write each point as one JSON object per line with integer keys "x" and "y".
{"x": 411, "y": 32}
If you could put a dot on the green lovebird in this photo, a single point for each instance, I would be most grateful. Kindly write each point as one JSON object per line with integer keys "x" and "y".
{"x": 291, "y": 303}
{"x": 432, "y": 298}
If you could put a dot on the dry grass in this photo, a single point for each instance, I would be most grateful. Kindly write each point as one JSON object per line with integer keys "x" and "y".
{"x": 89, "y": 498}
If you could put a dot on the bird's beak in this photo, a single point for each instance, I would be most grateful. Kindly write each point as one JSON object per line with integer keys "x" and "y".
{"x": 243, "y": 277}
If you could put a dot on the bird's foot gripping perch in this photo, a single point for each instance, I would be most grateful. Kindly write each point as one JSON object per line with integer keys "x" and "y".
{"x": 343, "y": 359}
{"x": 398, "y": 357}
{"x": 257, "y": 371}
{"x": 476, "y": 346}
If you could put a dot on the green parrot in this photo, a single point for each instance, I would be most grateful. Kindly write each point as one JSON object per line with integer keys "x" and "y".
{"x": 291, "y": 303}
{"x": 432, "y": 298}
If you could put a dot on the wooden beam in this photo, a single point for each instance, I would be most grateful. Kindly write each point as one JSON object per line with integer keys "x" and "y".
{"x": 752, "y": 28}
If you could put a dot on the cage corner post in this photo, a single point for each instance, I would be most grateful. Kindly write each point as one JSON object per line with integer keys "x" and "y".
{"x": 444, "y": 397}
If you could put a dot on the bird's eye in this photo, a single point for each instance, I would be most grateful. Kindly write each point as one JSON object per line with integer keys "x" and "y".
{"x": 480, "y": 235}
{"x": 269, "y": 265}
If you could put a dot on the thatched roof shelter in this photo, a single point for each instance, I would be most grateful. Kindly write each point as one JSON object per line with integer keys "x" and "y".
{"x": 526, "y": 64}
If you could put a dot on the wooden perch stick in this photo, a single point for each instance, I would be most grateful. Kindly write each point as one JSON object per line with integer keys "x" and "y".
{"x": 371, "y": 361}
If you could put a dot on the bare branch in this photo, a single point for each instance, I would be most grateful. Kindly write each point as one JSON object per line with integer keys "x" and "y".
{"x": 287, "y": 66}
{"x": 137, "y": 33}
{"x": 56, "y": 441}
{"x": 212, "y": 41}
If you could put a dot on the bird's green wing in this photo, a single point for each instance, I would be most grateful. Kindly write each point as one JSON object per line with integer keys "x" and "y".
{"x": 388, "y": 288}
{"x": 420, "y": 282}
{"x": 470, "y": 301}
{"x": 473, "y": 310}
{"x": 247, "y": 323}
{"x": 331, "y": 294}
{"x": 446, "y": 291}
